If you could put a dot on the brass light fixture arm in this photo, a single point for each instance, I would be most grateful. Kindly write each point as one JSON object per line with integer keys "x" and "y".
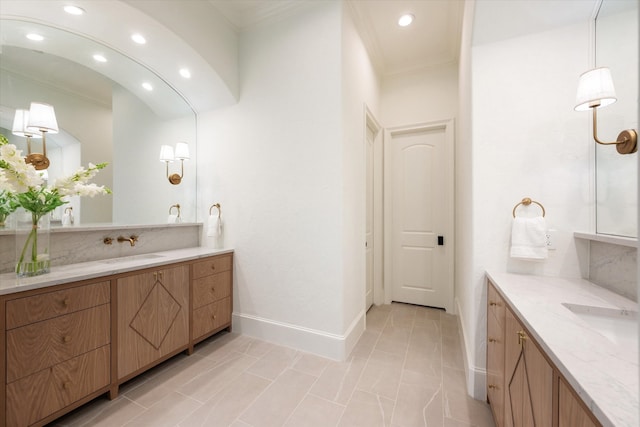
{"x": 175, "y": 179}
{"x": 627, "y": 142}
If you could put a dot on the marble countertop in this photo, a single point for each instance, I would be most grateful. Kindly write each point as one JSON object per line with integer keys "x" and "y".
{"x": 601, "y": 369}
{"x": 10, "y": 284}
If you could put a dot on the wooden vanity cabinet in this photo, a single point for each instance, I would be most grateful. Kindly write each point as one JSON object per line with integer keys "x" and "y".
{"x": 153, "y": 318}
{"x": 495, "y": 354}
{"x": 57, "y": 348}
{"x": 523, "y": 387}
{"x": 211, "y": 287}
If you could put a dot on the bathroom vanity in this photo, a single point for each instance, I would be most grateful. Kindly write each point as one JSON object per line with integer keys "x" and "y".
{"x": 560, "y": 352}
{"x": 82, "y": 330}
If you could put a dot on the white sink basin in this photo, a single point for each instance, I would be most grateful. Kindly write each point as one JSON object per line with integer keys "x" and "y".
{"x": 618, "y": 325}
{"x": 130, "y": 258}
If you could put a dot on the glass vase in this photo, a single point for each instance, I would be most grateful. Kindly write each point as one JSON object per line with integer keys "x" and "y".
{"x": 32, "y": 243}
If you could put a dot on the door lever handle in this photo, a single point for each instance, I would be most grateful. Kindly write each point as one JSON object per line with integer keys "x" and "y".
{"x": 440, "y": 240}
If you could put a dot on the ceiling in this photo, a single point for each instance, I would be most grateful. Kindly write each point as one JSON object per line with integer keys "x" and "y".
{"x": 433, "y": 38}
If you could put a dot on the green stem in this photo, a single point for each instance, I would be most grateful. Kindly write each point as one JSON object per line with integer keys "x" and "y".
{"x": 33, "y": 238}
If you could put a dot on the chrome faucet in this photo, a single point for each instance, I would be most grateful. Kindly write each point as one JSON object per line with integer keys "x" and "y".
{"x": 132, "y": 240}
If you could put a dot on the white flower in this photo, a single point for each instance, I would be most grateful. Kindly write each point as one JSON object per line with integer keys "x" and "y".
{"x": 16, "y": 175}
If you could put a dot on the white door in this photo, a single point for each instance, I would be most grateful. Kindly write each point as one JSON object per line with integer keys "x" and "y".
{"x": 419, "y": 213}
{"x": 370, "y": 242}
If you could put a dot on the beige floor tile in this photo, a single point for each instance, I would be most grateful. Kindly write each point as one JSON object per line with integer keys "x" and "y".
{"x": 454, "y": 380}
{"x": 376, "y": 320}
{"x": 452, "y": 353}
{"x": 382, "y": 374}
{"x": 429, "y": 364}
{"x": 102, "y": 412}
{"x": 258, "y": 348}
{"x": 450, "y": 330}
{"x": 425, "y": 314}
{"x": 461, "y": 407}
{"x": 418, "y": 405}
{"x": 393, "y": 340}
{"x": 310, "y": 364}
{"x": 416, "y": 378}
{"x": 223, "y": 408}
{"x": 279, "y": 400}
{"x": 168, "y": 412}
{"x": 315, "y": 412}
{"x": 219, "y": 345}
{"x": 274, "y": 362}
{"x": 367, "y": 410}
{"x": 365, "y": 344}
{"x": 206, "y": 385}
{"x": 339, "y": 380}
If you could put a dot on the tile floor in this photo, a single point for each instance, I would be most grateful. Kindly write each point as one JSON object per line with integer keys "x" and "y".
{"x": 405, "y": 371}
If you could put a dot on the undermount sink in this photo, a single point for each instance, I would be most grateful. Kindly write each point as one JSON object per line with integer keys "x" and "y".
{"x": 618, "y": 325}
{"x": 130, "y": 258}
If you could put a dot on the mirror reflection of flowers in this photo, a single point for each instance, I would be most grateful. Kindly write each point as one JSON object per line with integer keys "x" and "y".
{"x": 22, "y": 186}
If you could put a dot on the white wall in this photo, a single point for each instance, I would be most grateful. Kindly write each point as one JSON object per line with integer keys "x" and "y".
{"x": 276, "y": 163}
{"x": 360, "y": 86}
{"x": 422, "y": 96}
{"x": 527, "y": 141}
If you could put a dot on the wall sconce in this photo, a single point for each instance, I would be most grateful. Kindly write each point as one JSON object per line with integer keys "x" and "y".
{"x": 167, "y": 156}
{"x": 41, "y": 118}
{"x": 595, "y": 89}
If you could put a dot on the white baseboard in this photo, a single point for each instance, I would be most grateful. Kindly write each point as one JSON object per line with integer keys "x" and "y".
{"x": 332, "y": 346}
{"x": 476, "y": 377}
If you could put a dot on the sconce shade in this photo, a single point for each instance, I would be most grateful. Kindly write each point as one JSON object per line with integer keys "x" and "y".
{"x": 20, "y": 121}
{"x": 595, "y": 89}
{"x": 42, "y": 118}
{"x": 166, "y": 153}
{"x": 182, "y": 151}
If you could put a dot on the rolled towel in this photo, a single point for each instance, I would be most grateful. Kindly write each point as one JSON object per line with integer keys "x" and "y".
{"x": 67, "y": 220}
{"x": 214, "y": 226}
{"x": 173, "y": 219}
{"x": 529, "y": 238}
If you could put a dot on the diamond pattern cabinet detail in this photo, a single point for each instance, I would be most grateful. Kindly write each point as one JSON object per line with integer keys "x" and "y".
{"x": 529, "y": 386}
{"x": 153, "y": 318}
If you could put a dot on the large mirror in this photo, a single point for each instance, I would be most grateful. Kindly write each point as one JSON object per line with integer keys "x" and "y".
{"x": 104, "y": 115}
{"x": 617, "y": 175}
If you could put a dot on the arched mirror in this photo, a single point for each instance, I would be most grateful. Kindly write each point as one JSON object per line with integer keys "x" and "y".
{"x": 105, "y": 115}
{"x": 617, "y": 175}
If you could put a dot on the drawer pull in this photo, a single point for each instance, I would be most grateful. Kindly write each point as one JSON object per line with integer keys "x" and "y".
{"x": 65, "y": 302}
{"x": 494, "y": 304}
{"x": 493, "y": 387}
{"x": 522, "y": 337}
{"x": 213, "y": 316}
{"x": 66, "y": 339}
{"x": 66, "y": 385}
{"x": 213, "y": 266}
{"x": 493, "y": 340}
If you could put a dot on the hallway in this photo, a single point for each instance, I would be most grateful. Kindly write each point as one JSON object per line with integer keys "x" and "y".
{"x": 406, "y": 371}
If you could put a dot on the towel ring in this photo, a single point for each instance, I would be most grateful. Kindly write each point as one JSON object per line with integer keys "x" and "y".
{"x": 216, "y": 205}
{"x": 177, "y": 206}
{"x": 527, "y": 201}
{"x": 68, "y": 210}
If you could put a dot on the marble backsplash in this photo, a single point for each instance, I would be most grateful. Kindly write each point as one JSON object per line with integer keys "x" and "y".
{"x": 614, "y": 267}
{"x": 86, "y": 243}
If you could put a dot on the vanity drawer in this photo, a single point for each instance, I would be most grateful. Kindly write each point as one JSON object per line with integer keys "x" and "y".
{"x": 41, "y": 345}
{"x": 39, "y": 395}
{"x": 23, "y": 311}
{"x": 211, "y": 317}
{"x": 211, "y": 266}
{"x": 495, "y": 304}
{"x": 211, "y": 288}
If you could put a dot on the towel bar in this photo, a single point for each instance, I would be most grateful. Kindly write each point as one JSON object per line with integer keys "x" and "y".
{"x": 527, "y": 201}
{"x": 216, "y": 205}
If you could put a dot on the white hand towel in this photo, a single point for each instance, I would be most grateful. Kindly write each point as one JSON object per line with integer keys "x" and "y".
{"x": 173, "y": 219}
{"x": 214, "y": 226}
{"x": 529, "y": 238}
{"x": 67, "y": 220}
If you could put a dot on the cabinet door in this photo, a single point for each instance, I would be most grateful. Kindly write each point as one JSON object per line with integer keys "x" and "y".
{"x": 529, "y": 379}
{"x": 495, "y": 368}
{"x": 153, "y": 317}
{"x": 572, "y": 412}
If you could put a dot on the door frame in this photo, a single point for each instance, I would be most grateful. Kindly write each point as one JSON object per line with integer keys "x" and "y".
{"x": 448, "y": 232}
{"x": 370, "y": 122}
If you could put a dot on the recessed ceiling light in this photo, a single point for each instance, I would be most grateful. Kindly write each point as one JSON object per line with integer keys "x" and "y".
{"x": 99, "y": 58}
{"x": 35, "y": 37}
{"x": 406, "y": 20}
{"x": 147, "y": 86}
{"x": 184, "y": 72}
{"x": 138, "y": 38}
{"x": 74, "y": 10}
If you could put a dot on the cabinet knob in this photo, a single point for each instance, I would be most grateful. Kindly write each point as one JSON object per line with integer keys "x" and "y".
{"x": 494, "y": 304}
{"x": 66, "y": 385}
{"x": 65, "y": 302}
{"x": 213, "y": 266}
{"x": 213, "y": 316}
{"x": 213, "y": 289}
{"x": 493, "y": 387}
{"x": 521, "y": 337}
{"x": 493, "y": 340}
{"x": 66, "y": 339}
